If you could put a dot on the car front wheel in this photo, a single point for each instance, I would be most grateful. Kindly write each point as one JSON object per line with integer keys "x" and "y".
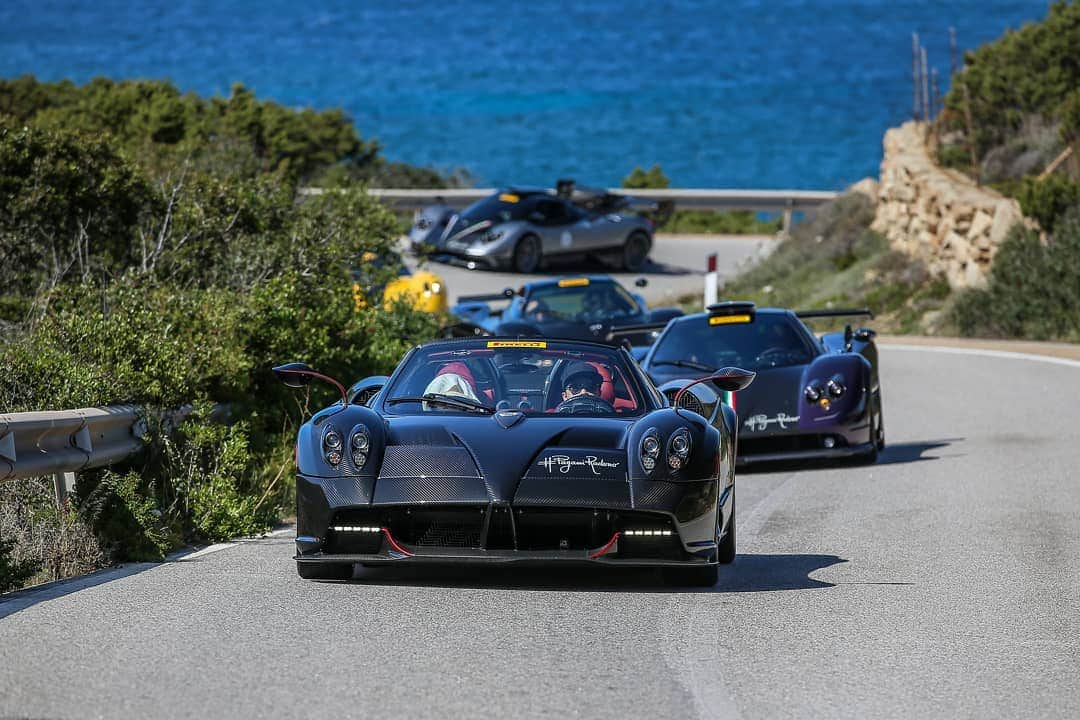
{"x": 635, "y": 251}
{"x": 725, "y": 549}
{"x": 527, "y": 254}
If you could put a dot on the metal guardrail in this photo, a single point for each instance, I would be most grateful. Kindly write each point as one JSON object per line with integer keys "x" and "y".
{"x": 60, "y": 443}
{"x": 779, "y": 201}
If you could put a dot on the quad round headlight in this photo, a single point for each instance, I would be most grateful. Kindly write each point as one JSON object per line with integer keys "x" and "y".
{"x": 359, "y": 445}
{"x": 679, "y": 449}
{"x": 835, "y": 386}
{"x": 650, "y": 451}
{"x": 813, "y": 391}
{"x": 332, "y": 447}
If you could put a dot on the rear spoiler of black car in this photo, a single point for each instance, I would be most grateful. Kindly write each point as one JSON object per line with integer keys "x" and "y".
{"x": 462, "y": 330}
{"x": 504, "y": 295}
{"x": 847, "y": 312}
{"x": 622, "y": 330}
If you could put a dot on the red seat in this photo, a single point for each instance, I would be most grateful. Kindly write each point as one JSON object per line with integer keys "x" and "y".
{"x": 607, "y": 390}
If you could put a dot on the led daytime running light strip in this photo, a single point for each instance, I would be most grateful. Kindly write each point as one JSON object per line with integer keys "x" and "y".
{"x": 356, "y": 528}
{"x": 647, "y": 532}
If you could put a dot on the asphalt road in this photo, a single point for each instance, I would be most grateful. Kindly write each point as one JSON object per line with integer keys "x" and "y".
{"x": 942, "y": 582}
{"x": 676, "y": 267}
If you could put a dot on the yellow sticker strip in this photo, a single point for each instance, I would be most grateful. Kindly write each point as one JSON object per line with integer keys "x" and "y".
{"x": 729, "y": 319}
{"x": 509, "y": 198}
{"x": 574, "y": 282}
{"x": 537, "y": 344}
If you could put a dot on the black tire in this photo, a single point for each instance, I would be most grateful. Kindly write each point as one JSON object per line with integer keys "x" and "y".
{"x": 725, "y": 549}
{"x": 694, "y": 576}
{"x": 527, "y": 255}
{"x": 880, "y": 439}
{"x": 635, "y": 251}
{"x": 324, "y": 570}
{"x": 877, "y": 436}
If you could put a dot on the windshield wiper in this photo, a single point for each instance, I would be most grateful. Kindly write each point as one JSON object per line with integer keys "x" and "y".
{"x": 685, "y": 363}
{"x": 451, "y": 400}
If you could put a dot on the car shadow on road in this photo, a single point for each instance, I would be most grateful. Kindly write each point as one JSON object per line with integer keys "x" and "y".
{"x": 909, "y": 452}
{"x": 893, "y": 454}
{"x": 749, "y": 573}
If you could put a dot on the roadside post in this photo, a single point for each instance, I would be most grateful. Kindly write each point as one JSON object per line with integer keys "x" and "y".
{"x": 711, "y": 282}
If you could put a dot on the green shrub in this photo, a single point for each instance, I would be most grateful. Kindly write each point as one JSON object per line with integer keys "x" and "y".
{"x": 1048, "y": 199}
{"x": 835, "y": 260}
{"x": 124, "y": 512}
{"x": 13, "y": 572}
{"x": 154, "y": 124}
{"x": 653, "y": 178}
{"x": 1033, "y": 290}
{"x": 194, "y": 287}
{"x": 1027, "y": 72}
{"x": 734, "y": 222}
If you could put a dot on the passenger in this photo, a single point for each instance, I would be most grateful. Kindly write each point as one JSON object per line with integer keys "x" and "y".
{"x": 453, "y": 379}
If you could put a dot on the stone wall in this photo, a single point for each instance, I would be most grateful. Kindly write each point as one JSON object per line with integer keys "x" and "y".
{"x": 938, "y": 215}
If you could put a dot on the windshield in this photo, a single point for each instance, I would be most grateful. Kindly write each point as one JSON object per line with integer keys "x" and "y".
{"x": 502, "y": 207}
{"x": 536, "y": 377}
{"x": 767, "y": 341}
{"x": 588, "y": 302}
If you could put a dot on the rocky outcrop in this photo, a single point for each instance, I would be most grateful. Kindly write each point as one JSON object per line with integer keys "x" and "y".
{"x": 937, "y": 215}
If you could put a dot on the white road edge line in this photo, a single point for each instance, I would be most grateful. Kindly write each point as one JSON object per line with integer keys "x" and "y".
{"x": 1007, "y": 354}
{"x": 205, "y": 551}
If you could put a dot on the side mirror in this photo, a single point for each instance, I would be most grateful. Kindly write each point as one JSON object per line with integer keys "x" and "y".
{"x": 731, "y": 379}
{"x": 641, "y": 282}
{"x": 295, "y": 375}
{"x": 298, "y": 374}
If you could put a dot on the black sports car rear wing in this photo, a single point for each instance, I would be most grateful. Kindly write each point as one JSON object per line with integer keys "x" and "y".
{"x": 846, "y": 312}
{"x": 504, "y": 295}
{"x": 622, "y": 330}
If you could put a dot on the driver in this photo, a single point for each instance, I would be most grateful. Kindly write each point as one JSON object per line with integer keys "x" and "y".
{"x": 581, "y": 379}
{"x": 581, "y": 391}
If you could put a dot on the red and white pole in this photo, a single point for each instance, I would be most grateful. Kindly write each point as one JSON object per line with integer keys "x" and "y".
{"x": 711, "y": 282}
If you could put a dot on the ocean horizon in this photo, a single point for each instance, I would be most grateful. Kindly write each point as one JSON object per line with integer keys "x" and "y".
{"x": 743, "y": 94}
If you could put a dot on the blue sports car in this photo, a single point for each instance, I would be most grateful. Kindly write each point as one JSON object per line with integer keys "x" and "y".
{"x": 589, "y": 307}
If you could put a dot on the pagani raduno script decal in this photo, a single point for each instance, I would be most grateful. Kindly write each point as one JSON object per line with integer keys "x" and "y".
{"x": 762, "y": 422}
{"x": 564, "y": 463}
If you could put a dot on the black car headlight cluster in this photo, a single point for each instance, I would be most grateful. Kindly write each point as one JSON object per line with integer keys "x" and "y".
{"x": 678, "y": 449}
{"x": 331, "y": 442}
{"x": 359, "y": 446}
{"x": 491, "y": 236}
{"x": 817, "y": 391}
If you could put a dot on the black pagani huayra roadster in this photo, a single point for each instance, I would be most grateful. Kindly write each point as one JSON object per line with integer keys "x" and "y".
{"x": 502, "y": 450}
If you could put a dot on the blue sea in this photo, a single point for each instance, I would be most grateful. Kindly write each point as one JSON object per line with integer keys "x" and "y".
{"x": 740, "y": 94}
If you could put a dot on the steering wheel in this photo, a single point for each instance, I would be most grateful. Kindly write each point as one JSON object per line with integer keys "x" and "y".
{"x": 585, "y": 404}
{"x": 771, "y": 351}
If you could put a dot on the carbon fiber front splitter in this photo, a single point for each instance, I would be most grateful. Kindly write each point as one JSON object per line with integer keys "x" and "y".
{"x": 504, "y": 557}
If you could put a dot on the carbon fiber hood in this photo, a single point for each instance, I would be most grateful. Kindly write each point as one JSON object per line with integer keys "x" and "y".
{"x": 470, "y": 448}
